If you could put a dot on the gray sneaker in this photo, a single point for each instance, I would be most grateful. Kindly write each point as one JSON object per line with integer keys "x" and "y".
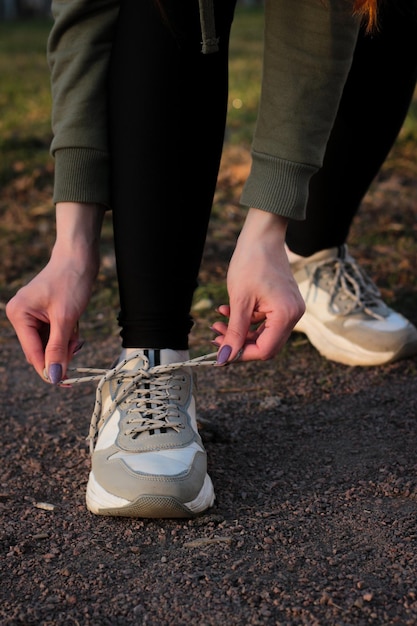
{"x": 148, "y": 459}
{"x": 345, "y": 318}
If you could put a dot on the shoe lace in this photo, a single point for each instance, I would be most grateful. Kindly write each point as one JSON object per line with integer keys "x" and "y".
{"x": 349, "y": 282}
{"x": 143, "y": 392}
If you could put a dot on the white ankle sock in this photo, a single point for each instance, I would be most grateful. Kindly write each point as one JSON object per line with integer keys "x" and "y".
{"x": 166, "y": 354}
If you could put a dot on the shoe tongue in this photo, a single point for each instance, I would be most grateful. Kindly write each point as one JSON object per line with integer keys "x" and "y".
{"x": 329, "y": 254}
{"x": 134, "y": 360}
{"x": 344, "y": 254}
{"x": 138, "y": 359}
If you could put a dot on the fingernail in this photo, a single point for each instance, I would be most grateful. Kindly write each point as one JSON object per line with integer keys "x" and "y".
{"x": 78, "y": 347}
{"x": 213, "y": 330}
{"x": 223, "y": 356}
{"x": 55, "y": 373}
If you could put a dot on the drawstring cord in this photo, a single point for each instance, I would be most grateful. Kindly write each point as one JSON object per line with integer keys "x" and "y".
{"x": 210, "y": 42}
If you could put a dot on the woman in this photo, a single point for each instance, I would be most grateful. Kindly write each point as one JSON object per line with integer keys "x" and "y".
{"x": 125, "y": 78}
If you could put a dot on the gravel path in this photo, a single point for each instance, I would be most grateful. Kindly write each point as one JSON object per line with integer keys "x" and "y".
{"x": 315, "y": 470}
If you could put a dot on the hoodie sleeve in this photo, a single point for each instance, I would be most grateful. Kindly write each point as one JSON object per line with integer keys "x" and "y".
{"x": 78, "y": 53}
{"x": 308, "y": 51}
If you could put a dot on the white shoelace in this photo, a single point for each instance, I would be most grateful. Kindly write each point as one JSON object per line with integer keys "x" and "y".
{"x": 154, "y": 417}
{"x": 354, "y": 285}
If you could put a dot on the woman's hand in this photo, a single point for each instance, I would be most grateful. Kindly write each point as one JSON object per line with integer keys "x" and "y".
{"x": 264, "y": 299}
{"x": 45, "y": 312}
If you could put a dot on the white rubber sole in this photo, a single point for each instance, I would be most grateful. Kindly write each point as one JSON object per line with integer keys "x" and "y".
{"x": 337, "y": 348}
{"x": 100, "y": 502}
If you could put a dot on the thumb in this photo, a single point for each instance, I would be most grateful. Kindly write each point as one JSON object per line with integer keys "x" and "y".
{"x": 57, "y": 352}
{"x": 234, "y": 337}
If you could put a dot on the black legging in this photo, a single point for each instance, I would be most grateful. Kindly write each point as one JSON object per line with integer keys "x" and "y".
{"x": 374, "y": 105}
{"x": 168, "y": 105}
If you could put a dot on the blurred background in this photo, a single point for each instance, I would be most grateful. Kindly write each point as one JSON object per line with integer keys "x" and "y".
{"x": 17, "y": 9}
{"x": 12, "y": 9}
{"x": 384, "y": 237}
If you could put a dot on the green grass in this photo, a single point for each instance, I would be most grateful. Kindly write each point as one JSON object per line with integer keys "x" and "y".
{"x": 25, "y": 100}
{"x": 245, "y": 70}
{"x": 24, "y": 97}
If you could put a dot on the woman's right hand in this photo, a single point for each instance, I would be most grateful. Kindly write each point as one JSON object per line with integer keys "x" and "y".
{"x": 46, "y": 311}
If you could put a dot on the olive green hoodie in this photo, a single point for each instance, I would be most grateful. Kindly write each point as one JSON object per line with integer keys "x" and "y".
{"x": 308, "y": 51}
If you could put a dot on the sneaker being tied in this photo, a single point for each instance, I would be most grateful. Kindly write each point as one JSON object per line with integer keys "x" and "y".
{"x": 148, "y": 459}
{"x": 345, "y": 319}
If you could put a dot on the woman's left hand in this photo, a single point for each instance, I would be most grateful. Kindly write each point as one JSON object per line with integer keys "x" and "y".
{"x": 264, "y": 299}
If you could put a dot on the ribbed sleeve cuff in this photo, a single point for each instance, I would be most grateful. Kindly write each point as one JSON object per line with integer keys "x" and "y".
{"x": 278, "y": 186}
{"x": 81, "y": 175}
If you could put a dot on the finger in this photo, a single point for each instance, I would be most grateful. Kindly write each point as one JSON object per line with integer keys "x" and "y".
{"x": 251, "y": 336}
{"x": 221, "y": 327}
{"x": 33, "y": 348}
{"x": 32, "y": 334}
{"x": 236, "y": 333}
{"x": 261, "y": 344}
{"x": 74, "y": 348}
{"x": 224, "y": 309}
{"x": 268, "y": 341}
{"x": 63, "y": 339}
{"x": 75, "y": 344}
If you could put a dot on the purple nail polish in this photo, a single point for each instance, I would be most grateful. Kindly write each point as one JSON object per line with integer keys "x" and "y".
{"x": 78, "y": 347}
{"x": 55, "y": 373}
{"x": 223, "y": 356}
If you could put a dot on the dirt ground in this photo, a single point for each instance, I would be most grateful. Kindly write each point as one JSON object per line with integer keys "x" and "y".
{"x": 314, "y": 466}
